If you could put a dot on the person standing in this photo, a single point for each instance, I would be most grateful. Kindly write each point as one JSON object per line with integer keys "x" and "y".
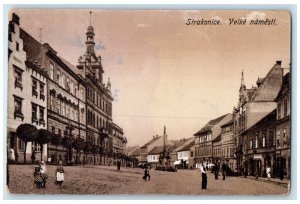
{"x": 268, "y": 171}
{"x": 60, "y": 174}
{"x": 146, "y": 174}
{"x": 118, "y": 165}
{"x": 204, "y": 177}
{"x": 33, "y": 156}
{"x": 216, "y": 170}
{"x": 38, "y": 180}
{"x": 223, "y": 170}
{"x": 245, "y": 169}
{"x": 43, "y": 173}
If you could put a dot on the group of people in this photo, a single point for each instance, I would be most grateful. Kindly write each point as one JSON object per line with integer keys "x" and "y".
{"x": 41, "y": 176}
{"x": 215, "y": 169}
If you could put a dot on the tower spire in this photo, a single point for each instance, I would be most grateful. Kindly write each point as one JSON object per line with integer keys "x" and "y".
{"x": 242, "y": 81}
{"x": 90, "y": 18}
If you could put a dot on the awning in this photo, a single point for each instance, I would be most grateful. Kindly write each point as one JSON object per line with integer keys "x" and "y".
{"x": 177, "y": 162}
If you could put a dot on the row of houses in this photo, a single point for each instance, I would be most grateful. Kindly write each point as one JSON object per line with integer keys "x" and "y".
{"x": 255, "y": 135}
{"x": 47, "y": 91}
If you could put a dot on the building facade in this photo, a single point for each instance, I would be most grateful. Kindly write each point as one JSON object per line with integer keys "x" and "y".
{"x": 259, "y": 146}
{"x": 228, "y": 145}
{"x": 253, "y": 105}
{"x": 27, "y": 98}
{"x": 204, "y": 138}
{"x": 65, "y": 98}
{"x": 283, "y": 129}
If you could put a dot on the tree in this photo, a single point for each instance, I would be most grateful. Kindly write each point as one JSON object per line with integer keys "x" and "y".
{"x": 56, "y": 140}
{"x": 26, "y": 133}
{"x": 95, "y": 150}
{"x": 78, "y": 145}
{"x": 43, "y": 137}
{"x": 87, "y": 148}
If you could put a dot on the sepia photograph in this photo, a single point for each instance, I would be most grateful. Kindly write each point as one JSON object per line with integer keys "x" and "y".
{"x": 148, "y": 102}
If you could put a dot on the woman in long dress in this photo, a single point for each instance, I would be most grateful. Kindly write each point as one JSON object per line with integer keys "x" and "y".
{"x": 60, "y": 174}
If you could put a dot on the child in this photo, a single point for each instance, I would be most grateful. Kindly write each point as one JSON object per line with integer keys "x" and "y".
{"x": 44, "y": 175}
{"x": 60, "y": 177}
{"x": 38, "y": 180}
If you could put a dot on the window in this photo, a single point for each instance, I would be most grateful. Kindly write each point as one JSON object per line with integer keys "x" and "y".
{"x": 17, "y": 46}
{"x": 51, "y": 71}
{"x": 71, "y": 87}
{"x": 41, "y": 119}
{"x": 279, "y": 110}
{"x": 42, "y": 91}
{"x": 58, "y": 108}
{"x": 82, "y": 93}
{"x": 271, "y": 138}
{"x": 18, "y": 107}
{"x": 63, "y": 81}
{"x": 284, "y": 136}
{"x": 34, "y": 113}
{"x": 68, "y": 84}
{"x": 34, "y": 87}
{"x": 250, "y": 144}
{"x": 36, "y": 146}
{"x": 21, "y": 145}
{"x": 58, "y": 79}
{"x": 53, "y": 129}
{"x": 285, "y": 104}
{"x": 278, "y": 138}
{"x": 18, "y": 77}
{"x": 51, "y": 102}
{"x": 263, "y": 140}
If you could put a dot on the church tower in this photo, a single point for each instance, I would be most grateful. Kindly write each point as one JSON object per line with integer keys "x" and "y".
{"x": 89, "y": 62}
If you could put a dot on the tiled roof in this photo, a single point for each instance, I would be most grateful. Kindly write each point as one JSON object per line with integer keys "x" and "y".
{"x": 187, "y": 146}
{"x": 286, "y": 85}
{"x": 210, "y": 125}
{"x": 156, "y": 150}
{"x": 270, "y": 85}
{"x": 151, "y": 141}
{"x": 136, "y": 152}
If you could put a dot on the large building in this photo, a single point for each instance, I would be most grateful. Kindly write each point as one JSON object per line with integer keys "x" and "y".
{"x": 65, "y": 97}
{"x": 101, "y": 131}
{"x": 204, "y": 138}
{"x": 283, "y": 129}
{"x": 27, "y": 97}
{"x": 253, "y": 105}
{"x": 71, "y": 102}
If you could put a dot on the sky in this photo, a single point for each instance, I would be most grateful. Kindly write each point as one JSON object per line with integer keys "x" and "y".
{"x": 164, "y": 72}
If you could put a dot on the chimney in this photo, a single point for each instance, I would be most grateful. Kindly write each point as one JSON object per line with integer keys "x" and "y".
{"x": 278, "y": 62}
{"x": 16, "y": 19}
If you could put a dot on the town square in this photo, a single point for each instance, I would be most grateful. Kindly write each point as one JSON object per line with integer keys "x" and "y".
{"x": 134, "y": 103}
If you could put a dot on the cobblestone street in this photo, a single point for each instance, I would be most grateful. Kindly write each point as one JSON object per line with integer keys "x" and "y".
{"x": 104, "y": 180}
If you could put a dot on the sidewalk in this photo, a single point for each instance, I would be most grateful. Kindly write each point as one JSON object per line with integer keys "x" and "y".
{"x": 285, "y": 182}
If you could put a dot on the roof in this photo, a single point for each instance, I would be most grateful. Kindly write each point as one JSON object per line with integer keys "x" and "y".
{"x": 227, "y": 124}
{"x": 187, "y": 146}
{"x": 71, "y": 66}
{"x": 286, "y": 85}
{"x": 136, "y": 152}
{"x": 269, "y": 118}
{"x": 270, "y": 85}
{"x": 158, "y": 149}
{"x": 218, "y": 138}
{"x": 151, "y": 141}
{"x": 210, "y": 125}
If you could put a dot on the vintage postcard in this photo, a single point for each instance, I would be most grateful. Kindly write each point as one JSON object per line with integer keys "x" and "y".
{"x": 149, "y": 102}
